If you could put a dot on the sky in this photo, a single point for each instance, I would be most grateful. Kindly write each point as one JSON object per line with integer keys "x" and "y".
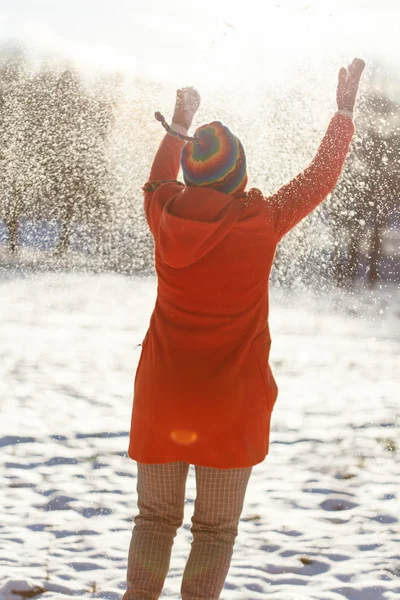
{"x": 208, "y": 41}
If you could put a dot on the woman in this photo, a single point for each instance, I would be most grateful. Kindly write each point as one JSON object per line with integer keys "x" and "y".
{"x": 204, "y": 390}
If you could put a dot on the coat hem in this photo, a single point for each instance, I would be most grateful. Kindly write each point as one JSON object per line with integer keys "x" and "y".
{"x": 199, "y": 463}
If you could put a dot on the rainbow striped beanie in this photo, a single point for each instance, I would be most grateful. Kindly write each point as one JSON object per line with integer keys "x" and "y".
{"x": 215, "y": 158}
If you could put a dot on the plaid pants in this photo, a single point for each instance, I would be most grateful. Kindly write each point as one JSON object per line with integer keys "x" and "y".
{"x": 161, "y": 499}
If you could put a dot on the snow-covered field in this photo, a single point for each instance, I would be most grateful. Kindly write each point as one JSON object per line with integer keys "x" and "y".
{"x": 322, "y": 515}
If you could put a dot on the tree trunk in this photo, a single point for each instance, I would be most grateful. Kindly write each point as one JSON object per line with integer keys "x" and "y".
{"x": 353, "y": 256}
{"x": 65, "y": 232}
{"x": 375, "y": 249}
{"x": 339, "y": 267}
{"x": 12, "y": 226}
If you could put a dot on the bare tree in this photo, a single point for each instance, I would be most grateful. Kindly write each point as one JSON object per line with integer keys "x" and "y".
{"x": 72, "y": 150}
{"x": 54, "y": 160}
{"x": 369, "y": 191}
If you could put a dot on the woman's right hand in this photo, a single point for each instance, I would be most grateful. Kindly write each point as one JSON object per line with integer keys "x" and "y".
{"x": 186, "y": 105}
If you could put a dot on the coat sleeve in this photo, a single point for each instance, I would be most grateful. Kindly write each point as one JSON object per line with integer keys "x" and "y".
{"x": 167, "y": 160}
{"x": 294, "y": 201}
{"x": 165, "y": 166}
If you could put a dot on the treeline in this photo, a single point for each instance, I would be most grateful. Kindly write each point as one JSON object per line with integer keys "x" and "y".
{"x": 54, "y": 158}
{"x": 366, "y": 204}
{"x": 77, "y": 152}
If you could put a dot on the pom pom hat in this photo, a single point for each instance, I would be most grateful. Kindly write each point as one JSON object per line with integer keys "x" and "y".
{"x": 214, "y": 158}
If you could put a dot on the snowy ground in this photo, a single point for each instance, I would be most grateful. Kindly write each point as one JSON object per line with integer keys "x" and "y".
{"x": 322, "y": 515}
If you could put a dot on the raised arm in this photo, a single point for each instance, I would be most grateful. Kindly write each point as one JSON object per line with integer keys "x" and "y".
{"x": 294, "y": 201}
{"x": 167, "y": 160}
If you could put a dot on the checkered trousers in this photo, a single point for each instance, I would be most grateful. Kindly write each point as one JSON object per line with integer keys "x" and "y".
{"x": 161, "y": 498}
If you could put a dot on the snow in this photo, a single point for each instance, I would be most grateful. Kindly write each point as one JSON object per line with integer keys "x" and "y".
{"x": 321, "y": 517}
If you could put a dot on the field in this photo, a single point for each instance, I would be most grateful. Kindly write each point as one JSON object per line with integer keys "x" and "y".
{"x": 321, "y": 519}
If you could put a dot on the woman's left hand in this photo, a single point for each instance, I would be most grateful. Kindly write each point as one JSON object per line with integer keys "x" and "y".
{"x": 348, "y": 83}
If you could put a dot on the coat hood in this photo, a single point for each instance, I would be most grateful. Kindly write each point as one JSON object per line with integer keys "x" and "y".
{"x": 193, "y": 222}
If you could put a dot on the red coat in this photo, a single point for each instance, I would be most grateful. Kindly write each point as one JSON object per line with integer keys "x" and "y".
{"x": 204, "y": 390}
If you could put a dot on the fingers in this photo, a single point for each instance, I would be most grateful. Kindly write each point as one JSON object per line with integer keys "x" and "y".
{"x": 355, "y": 71}
{"x": 357, "y": 65}
{"x": 186, "y": 106}
{"x": 352, "y": 74}
{"x": 348, "y": 83}
{"x": 191, "y": 90}
{"x": 192, "y": 97}
{"x": 187, "y": 100}
{"x": 179, "y": 97}
{"x": 188, "y": 91}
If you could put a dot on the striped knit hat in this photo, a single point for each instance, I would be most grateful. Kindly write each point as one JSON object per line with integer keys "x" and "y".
{"x": 214, "y": 157}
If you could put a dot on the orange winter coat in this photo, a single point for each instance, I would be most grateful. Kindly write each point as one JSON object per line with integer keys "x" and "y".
{"x": 204, "y": 390}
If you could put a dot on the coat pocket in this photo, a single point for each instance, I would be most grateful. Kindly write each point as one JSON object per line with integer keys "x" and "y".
{"x": 145, "y": 340}
{"x": 262, "y": 346}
